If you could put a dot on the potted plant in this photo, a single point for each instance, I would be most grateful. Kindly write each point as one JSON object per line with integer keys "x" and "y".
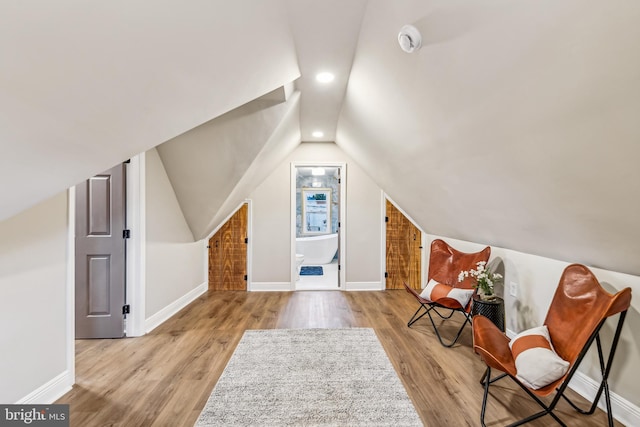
{"x": 484, "y": 280}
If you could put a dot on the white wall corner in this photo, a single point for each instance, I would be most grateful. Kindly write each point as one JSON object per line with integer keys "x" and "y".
{"x": 383, "y": 237}
{"x": 136, "y": 246}
{"x": 163, "y": 315}
{"x": 71, "y": 285}
{"x": 50, "y": 391}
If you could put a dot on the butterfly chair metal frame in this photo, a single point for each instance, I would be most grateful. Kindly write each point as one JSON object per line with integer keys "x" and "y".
{"x": 445, "y": 264}
{"x": 578, "y": 311}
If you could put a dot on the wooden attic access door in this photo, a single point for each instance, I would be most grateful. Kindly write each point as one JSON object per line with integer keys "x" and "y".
{"x": 228, "y": 254}
{"x": 404, "y": 250}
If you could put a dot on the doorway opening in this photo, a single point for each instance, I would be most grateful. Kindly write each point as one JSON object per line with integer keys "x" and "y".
{"x": 317, "y": 226}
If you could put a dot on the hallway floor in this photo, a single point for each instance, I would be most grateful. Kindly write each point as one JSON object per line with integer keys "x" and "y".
{"x": 165, "y": 377}
{"x": 328, "y": 280}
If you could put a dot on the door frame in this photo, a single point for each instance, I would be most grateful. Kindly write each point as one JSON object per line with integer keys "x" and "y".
{"x": 135, "y": 258}
{"x": 341, "y": 219}
{"x": 424, "y": 256}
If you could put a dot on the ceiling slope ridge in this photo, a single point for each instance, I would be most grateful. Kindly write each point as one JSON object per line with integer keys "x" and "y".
{"x": 282, "y": 142}
{"x": 325, "y": 35}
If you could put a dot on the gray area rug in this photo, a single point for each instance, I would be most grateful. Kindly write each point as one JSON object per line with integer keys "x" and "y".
{"x": 309, "y": 377}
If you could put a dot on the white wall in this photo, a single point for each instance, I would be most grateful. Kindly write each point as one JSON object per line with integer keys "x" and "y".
{"x": 364, "y": 219}
{"x": 175, "y": 262}
{"x": 271, "y": 219}
{"x": 33, "y": 277}
{"x": 271, "y": 228}
{"x": 537, "y": 278}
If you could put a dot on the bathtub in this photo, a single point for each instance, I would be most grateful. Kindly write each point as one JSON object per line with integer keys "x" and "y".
{"x": 317, "y": 249}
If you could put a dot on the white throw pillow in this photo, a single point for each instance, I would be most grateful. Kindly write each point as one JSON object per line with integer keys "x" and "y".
{"x": 537, "y": 363}
{"x": 435, "y": 291}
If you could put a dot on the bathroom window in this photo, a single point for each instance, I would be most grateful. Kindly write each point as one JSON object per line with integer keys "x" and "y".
{"x": 316, "y": 210}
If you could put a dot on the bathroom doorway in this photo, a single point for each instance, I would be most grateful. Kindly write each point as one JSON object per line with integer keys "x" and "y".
{"x": 317, "y": 196}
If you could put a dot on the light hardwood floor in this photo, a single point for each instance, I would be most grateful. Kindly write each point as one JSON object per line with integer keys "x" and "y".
{"x": 165, "y": 377}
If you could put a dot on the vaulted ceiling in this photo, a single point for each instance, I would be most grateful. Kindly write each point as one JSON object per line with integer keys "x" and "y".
{"x": 516, "y": 123}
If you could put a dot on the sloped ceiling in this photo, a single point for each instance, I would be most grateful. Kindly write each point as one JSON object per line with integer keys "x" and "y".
{"x": 214, "y": 167}
{"x": 325, "y": 33}
{"x": 210, "y": 166}
{"x": 515, "y": 125}
{"x": 85, "y": 85}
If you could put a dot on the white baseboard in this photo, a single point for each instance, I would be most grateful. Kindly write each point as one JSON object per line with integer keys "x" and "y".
{"x": 161, "y": 316}
{"x": 270, "y": 287}
{"x": 49, "y": 392}
{"x": 623, "y": 410}
{"x": 286, "y": 286}
{"x": 364, "y": 286}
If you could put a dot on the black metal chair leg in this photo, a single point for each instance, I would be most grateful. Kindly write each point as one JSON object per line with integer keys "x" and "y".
{"x": 605, "y": 370}
{"x": 414, "y": 319}
{"x": 499, "y": 377}
{"x": 486, "y": 381}
{"x": 466, "y": 320}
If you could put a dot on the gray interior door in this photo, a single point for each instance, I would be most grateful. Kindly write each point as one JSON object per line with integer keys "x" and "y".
{"x": 100, "y": 255}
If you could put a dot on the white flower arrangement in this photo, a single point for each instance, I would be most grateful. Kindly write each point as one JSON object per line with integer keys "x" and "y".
{"x": 484, "y": 278}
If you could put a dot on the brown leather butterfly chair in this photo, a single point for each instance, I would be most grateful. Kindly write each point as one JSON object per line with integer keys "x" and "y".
{"x": 578, "y": 310}
{"x": 445, "y": 264}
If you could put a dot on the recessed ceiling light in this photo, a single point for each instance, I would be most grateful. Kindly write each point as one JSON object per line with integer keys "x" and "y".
{"x": 325, "y": 77}
{"x": 317, "y": 134}
{"x": 317, "y": 171}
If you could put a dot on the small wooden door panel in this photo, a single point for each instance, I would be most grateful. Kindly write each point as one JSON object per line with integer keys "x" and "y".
{"x": 403, "y": 252}
{"x": 228, "y": 254}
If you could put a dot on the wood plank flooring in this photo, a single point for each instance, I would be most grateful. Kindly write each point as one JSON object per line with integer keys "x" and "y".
{"x": 165, "y": 377}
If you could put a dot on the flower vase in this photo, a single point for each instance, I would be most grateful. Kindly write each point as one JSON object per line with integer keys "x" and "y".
{"x": 487, "y": 297}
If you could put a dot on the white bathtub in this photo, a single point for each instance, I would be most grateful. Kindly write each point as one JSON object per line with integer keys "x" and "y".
{"x": 317, "y": 249}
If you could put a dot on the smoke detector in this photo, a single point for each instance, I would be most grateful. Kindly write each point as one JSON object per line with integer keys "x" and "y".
{"x": 409, "y": 38}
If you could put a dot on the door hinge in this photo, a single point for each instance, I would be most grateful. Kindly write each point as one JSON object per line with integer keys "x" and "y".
{"x": 386, "y": 219}
{"x": 386, "y": 274}
{"x": 245, "y": 277}
{"x": 126, "y": 234}
{"x": 126, "y": 309}
{"x": 338, "y": 224}
{"x": 339, "y": 181}
{"x": 246, "y": 240}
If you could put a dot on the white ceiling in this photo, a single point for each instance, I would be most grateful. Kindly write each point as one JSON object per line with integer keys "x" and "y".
{"x": 515, "y": 125}
{"x": 325, "y": 34}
